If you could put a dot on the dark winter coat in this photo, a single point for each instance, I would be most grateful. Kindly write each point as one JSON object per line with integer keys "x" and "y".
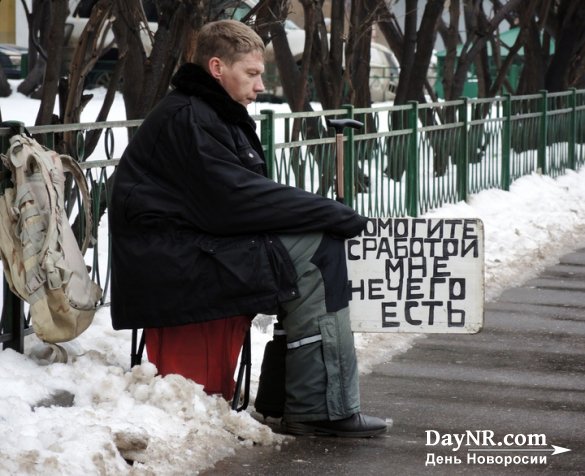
{"x": 193, "y": 216}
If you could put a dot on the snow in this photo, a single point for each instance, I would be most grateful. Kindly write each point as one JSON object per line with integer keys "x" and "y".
{"x": 89, "y": 414}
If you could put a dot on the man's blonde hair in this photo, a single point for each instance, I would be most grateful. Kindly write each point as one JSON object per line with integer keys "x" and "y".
{"x": 229, "y": 40}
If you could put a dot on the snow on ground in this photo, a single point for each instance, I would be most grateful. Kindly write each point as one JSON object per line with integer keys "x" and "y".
{"x": 85, "y": 416}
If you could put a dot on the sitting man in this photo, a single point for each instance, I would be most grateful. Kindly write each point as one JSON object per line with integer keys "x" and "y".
{"x": 199, "y": 233}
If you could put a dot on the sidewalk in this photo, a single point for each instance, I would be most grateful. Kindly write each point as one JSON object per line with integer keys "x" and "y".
{"x": 523, "y": 375}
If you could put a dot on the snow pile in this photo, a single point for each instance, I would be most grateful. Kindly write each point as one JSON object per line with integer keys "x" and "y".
{"x": 89, "y": 415}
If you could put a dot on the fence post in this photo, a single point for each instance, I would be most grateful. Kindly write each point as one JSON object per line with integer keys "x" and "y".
{"x": 543, "y": 140}
{"x": 349, "y": 161}
{"x": 12, "y": 321}
{"x": 506, "y": 142}
{"x": 412, "y": 179}
{"x": 267, "y": 139}
{"x": 462, "y": 160}
{"x": 572, "y": 159}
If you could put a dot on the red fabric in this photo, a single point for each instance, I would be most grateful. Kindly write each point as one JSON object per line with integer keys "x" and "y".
{"x": 205, "y": 352}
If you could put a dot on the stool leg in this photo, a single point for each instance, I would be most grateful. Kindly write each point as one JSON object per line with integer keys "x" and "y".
{"x": 137, "y": 348}
{"x": 244, "y": 374}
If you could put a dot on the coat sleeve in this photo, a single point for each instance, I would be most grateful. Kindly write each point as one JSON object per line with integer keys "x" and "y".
{"x": 232, "y": 199}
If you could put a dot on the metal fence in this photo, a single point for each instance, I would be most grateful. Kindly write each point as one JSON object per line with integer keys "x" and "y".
{"x": 405, "y": 160}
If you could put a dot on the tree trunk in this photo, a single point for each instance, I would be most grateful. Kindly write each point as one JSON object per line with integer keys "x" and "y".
{"x": 534, "y": 70}
{"x": 293, "y": 77}
{"x": 570, "y": 40}
{"x": 425, "y": 42}
{"x": 357, "y": 54}
{"x": 148, "y": 76}
{"x": 131, "y": 51}
{"x": 59, "y": 11}
{"x": 85, "y": 57}
{"x": 175, "y": 20}
{"x": 451, "y": 39}
{"x": 327, "y": 57}
{"x": 407, "y": 52}
{"x": 474, "y": 44}
{"x": 38, "y": 26}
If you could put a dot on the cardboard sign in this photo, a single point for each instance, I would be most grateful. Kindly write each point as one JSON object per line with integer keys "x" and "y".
{"x": 422, "y": 275}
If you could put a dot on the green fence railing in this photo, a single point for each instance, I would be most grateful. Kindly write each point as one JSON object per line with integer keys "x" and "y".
{"x": 406, "y": 159}
{"x": 413, "y": 158}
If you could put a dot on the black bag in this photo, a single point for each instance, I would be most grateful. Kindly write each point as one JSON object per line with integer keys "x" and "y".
{"x": 271, "y": 387}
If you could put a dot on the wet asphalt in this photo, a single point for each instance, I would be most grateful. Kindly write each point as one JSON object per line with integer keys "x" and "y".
{"x": 496, "y": 402}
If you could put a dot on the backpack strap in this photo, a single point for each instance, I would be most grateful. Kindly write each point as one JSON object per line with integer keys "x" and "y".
{"x": 70, "y": 165}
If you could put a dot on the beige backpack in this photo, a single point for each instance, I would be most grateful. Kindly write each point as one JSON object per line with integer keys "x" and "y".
{"x": 42, "y": 261}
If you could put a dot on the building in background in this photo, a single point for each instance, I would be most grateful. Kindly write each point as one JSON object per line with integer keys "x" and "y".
{"x": 7, "y": 21}
{"x": 13, "y": 24}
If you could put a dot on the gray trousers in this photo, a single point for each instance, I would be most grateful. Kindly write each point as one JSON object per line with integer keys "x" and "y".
{"x": 321, "y": 367}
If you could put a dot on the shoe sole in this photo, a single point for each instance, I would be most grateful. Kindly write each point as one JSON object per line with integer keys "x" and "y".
{"x": 304, "y": 429}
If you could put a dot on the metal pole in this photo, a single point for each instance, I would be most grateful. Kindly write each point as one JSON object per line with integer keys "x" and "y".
{"x": 13, "y": 318}
{"x": 339, "y": 125}
{"x": 412, "y": 178}
{"x": 267, "y": 138}
{"x": 506, "y": 142}
{"x": 463, "y": 160}
{"x": 543, "y": 134}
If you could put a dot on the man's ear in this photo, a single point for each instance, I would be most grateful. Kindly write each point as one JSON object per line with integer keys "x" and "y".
{"x": 215, "y": 67}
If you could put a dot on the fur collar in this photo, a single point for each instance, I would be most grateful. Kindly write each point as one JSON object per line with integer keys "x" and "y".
{"x": 193, "y": 80}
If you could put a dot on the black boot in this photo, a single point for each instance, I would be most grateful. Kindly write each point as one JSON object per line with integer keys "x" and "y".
{"x": 356, "y": 426}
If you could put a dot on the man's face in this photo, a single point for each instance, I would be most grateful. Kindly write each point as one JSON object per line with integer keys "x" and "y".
{"x": 243, "y": 79}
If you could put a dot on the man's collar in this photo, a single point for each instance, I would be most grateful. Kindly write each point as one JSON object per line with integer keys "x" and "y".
{"x": 193, "y": 80}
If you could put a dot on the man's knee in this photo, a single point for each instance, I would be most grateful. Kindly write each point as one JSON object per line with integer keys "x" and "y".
{"x": 330, "y": 259}
{"x": 320, "y": 259}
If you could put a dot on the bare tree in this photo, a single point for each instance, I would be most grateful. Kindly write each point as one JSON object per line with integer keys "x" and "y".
{"x": 357, "y": 53}
{"x": 474, "y": 44}
{"x": 293, "y": 76}
{"x": 327, "y": 54}
{"x": 56, "y": 34}
{"x": 476, "y": 22}
{"x": 535, "y": 58}
{"x": 38, "y": 19}
{"x": 90, "y": 47}
{"x": 567, "y": 65}
{"x": 149, "y": 58}
{"x": 149, "y": 71}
